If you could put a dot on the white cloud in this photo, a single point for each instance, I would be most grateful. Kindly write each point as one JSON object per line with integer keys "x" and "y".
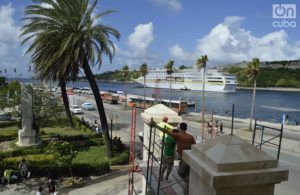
{"x": 138, "y": 43}
{"x": 47, "y": 5}
{"x": 140, "y": 40}
{"x": 228, "y": 42}
{"x": 177, "y": 52}
{"x": 174, "y": 5}
{"x": 9, "y": 38}
{"x": 9, "y": 32}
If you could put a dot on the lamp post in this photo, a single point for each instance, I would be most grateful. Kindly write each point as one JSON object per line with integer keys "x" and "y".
{"x": 112, "y": 117}
{"x": 116, "y": 118}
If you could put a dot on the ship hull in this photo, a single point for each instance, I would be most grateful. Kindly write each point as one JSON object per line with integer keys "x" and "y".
{"x": 190, "y": 79}
{"x": 193, "y": 86}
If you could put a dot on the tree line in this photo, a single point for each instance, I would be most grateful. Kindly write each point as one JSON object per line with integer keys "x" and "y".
{"x": 268, "y": 77}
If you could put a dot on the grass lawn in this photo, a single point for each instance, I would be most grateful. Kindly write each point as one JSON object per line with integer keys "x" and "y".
{"x": 97, "y": 155}
{"x": 93, "y": 154}
{"x": 60, "y": 127}
{"x": 9, "y": 130}
{"x": 91, "y": 157}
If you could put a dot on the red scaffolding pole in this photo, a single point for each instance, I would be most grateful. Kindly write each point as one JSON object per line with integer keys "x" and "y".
{"x": 132, "y": 152}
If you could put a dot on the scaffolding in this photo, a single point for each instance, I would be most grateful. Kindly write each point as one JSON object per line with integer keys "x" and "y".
{"x": 261, "y": 129}
{"x": 133, "y": 169}
{"x": 151, "y": 167}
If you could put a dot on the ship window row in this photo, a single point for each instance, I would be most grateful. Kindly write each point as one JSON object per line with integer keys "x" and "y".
{"x": 163, "y": 81}
{"x": 217, "y": 84}
{"x": 214, "y": 77}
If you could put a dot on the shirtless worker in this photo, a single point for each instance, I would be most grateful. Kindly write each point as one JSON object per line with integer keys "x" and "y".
{"x": 184, "y": 141}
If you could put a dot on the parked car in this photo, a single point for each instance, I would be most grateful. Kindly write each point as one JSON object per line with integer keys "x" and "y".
{"x": 75, "y": 109}
{"x": 5, "y": 117}
{"x": 88, "y": 106}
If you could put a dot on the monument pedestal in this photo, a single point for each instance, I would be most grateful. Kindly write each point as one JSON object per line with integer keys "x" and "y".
{"x": 231, "y": 166}
{"x": 27, "y": 135}
{"x": 27, "y": 138}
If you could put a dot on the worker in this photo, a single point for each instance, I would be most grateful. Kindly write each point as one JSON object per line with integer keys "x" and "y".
{"x": 164, "y": 124}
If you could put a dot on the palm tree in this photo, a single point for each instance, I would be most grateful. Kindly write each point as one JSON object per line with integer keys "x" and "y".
{"x": 47, "y": 72}
{"x": 201, "y": 63}
{"x": 144, "y": 72}
{"x": 125, "y": 71}
{"x": 170, "y": 70}
{"x": 253, "y": 72}
{"x": 67, "y": 35}
{"x": 64, "y": 95}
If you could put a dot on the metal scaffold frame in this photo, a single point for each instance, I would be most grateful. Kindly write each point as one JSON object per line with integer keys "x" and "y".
{"x": 262, "y": 128}
{"x": 153, "y": 161}
{"x": 133, "y": 168}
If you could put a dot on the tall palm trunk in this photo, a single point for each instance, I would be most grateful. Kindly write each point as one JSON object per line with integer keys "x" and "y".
{"x": 252, "y": 107}
{"x": 144, "y": 91}
{"x": 126, "y": 93}
{"x": 170, "y": 91}
{"x": 64, "y": 95}
{"x": 203, "y": 102}
{"x": 89, "y": 74}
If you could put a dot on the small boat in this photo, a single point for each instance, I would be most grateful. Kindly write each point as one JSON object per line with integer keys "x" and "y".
{"x": 185, "y": 89}
{"x": 178, "y": 106}
{"x": 189, "y": 102}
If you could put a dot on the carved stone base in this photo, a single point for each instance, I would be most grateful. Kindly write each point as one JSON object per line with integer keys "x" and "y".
{"x": 27, "y": 138}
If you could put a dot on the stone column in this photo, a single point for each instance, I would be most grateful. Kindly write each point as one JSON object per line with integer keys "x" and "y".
{"x": 157, "y": 113}
{"x": 231, "y": 166}
{"x": 27, "y": 135}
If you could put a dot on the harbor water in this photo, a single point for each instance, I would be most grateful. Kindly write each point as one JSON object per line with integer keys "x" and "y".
{"x": 269, "y": 105}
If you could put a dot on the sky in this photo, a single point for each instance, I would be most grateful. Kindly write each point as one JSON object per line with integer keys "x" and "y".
{"x": 155, "y": 31}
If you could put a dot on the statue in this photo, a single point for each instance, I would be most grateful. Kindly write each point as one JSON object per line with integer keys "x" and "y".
{"x": 27, "y": 133}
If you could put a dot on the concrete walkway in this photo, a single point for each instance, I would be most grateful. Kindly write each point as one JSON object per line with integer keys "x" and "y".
{"x": 114, "y": 186}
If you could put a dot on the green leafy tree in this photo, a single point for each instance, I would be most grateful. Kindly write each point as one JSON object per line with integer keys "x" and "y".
{"x": 125, "y": 71}
{"x": 2, "y": 81}
{"x": 10, "y": 97}
{"x": 169, "y": 66}
{"x": 144, "y": 72}
{"x": 45, "y": 106}
{"x": 182, "y": 67}
{"x": 68, "y": 35}
{"x": 201, "y": 64}
{"x": 64, "y": 153}
{"x": 252, "y": 71}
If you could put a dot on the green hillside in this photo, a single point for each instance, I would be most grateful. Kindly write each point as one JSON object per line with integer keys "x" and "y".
{"x": 269, "y": 77}
{"x": 116, "y": 75}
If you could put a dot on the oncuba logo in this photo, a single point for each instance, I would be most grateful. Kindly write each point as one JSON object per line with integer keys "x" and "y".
{"x": 284, "y": 15}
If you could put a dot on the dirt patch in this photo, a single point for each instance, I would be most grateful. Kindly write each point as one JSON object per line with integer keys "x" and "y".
{"x": 5, "y": 146}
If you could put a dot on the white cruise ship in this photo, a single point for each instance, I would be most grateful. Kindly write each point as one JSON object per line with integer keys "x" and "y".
{"x": 190, "y": 79}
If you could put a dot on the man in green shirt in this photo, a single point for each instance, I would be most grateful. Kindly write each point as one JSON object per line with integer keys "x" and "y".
{"x": 168, "y": 157}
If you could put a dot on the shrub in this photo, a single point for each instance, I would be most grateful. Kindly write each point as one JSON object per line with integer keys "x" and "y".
{"x": 8, "y": 124}
{"x": 43, "y": 165}
{"x": 87, "y": 142}
{"x": 33, "y": 160}
{"x": 70, "y": 138}
{"x": 121, "y": 159}
{"x": 83, "y": 169}
{"x": 8, "y": 137}
{"x": 20, "y": 152}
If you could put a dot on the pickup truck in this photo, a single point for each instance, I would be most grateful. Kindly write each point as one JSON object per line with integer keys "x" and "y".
{"x": 75, "y": 109}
